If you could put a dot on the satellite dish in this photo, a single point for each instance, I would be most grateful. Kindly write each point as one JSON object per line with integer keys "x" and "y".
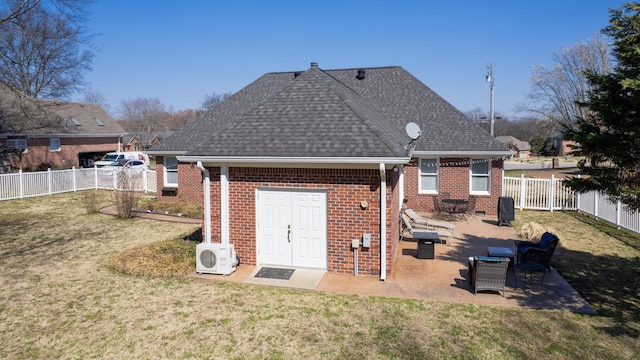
{"x": 413, "y": 130}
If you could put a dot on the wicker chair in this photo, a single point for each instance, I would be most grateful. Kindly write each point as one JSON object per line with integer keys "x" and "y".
{"x": 539, "y": 252}
{"x": 488, "y": 273}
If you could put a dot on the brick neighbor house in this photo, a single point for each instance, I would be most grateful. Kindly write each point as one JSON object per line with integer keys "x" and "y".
{"x": 298, "y": 164}
{"x": 55, "y": 134}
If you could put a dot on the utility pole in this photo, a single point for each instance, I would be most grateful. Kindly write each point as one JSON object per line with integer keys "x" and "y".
{"x": 490, "y": 81}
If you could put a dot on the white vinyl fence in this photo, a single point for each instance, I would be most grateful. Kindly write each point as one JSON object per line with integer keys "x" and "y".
{"x": 28, "y": 184}
{"x": 552, "y": 194}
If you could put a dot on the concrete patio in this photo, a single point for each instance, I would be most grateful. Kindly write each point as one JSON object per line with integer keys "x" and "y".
{"x": 444, "y": 278}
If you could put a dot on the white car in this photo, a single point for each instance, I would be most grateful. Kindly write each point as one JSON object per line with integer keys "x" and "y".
{"x": 135, "y": 165}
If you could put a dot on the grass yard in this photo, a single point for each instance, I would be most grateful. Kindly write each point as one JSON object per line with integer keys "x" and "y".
{"x": 62, "y": 298}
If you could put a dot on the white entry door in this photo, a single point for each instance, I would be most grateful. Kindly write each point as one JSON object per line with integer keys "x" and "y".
{"x": 292, "y": 228}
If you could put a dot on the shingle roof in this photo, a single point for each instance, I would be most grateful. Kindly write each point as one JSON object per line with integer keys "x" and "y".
{"x": 330, "y": 113}
{"x": 59, "y": 118}
{"x": 519, "y": 144}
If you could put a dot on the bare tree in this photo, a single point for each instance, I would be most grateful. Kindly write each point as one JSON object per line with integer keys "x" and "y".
{"x": 44, "y": 52}
{"x": 555, "y": 91}
{"x": 144, "y": 116}
{"x": 10, "y": 10}
{"x": 214, "y": 99}
{"x": 95, "y": 97}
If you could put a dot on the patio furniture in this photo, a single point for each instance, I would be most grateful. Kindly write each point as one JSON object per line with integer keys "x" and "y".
{"x": 455, "y": 208}
{"x": 426, "y": 248}
{"x": 416, "y": 232}
{"x": 539, "y": 252}
{"x": 417, "y": 220}
{"x": 488, "y": 273}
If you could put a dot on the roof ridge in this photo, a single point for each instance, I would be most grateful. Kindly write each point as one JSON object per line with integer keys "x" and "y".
{"x": 375, "y": 127}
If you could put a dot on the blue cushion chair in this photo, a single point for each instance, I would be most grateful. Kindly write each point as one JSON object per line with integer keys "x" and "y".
{"x": 539, "y": 252}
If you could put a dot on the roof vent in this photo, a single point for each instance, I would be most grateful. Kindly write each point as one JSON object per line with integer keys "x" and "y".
{"x": 74, "y": 121}
{"x": 314, "y": 64}
{"x": 100, "y": 123}
{"x": 361, "y": 73}
{"x": 296, "y": 74}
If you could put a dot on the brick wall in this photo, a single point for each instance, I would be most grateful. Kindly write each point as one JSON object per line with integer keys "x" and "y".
{"x": 189, "y": 183}
{"x": 346, "y": 220}
{"x": 454, "y": 179}
{"x": 38, "y": 151}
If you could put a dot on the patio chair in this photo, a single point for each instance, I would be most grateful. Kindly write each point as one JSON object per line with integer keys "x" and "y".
{"x": 488, "y": 273}
{"x": 539, "y": 252}
{"x": 417, "y": 220}
{"x": 406, "y": 226}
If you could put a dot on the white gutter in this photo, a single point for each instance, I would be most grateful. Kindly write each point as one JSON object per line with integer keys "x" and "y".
{"x": 465, "y": 153}
{"x": 224, "y": 204}
{"x": 207, "y": 202}
{"x": 293, "y": 160}
{"x": 383, "y": 223}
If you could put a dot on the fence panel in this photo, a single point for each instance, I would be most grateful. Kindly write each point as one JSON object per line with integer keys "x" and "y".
{"x": 10, "y": 186}
{"x": 20, "y": 185}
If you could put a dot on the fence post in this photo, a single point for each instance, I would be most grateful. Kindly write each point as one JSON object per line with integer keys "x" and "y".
{"x": 618, "y": 212}
{"x": 522, "y": 192}
{"x": 595, "y": 204}
{"x": 578, "y": 194}
{"x": 551, "y": 197}
{"x": 145, "y": 180}
{"x": 20, "y": 182}
{"x": 49, "y": 180}
{"x": 73, "y": 173}
{"x": 95, "y": 175}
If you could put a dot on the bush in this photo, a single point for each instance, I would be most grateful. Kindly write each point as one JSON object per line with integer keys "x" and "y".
{"x": 531, "y": 231}
{"x": 124, "y": 197}
{"x": 171, "y": 258}
{"x": 91, "y": 200}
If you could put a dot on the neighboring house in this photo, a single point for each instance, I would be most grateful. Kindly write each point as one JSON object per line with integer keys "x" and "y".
{"x": 295, "y": 166}
{"x": 521, "y": 148}
{"x": 68, "y": 134}
{"x": 132, "y": 143}
{"x": 560, "y": 146}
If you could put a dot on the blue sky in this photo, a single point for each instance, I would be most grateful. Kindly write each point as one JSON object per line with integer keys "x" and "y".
{"x": 179, "y": 51}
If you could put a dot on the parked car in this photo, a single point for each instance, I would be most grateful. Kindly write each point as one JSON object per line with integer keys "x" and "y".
{"x": 122, "y": 164}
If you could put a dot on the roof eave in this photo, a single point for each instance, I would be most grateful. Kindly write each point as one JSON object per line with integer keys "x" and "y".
{"x": 464, "y": 153}
{"x": 262, "y": 161}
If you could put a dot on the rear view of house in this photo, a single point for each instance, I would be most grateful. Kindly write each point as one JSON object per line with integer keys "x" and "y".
{"x": 297, "y": 165}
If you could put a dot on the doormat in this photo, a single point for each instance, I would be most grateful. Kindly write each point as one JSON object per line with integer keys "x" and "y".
{"x": 274, "y": 273}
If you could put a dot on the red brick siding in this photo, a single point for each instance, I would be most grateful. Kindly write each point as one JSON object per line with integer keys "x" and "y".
{"x": 454, "y": 179}
{"x": 38, "y": 151}
{"x": 346, "y": 220}
{"x": 189, "y": 183}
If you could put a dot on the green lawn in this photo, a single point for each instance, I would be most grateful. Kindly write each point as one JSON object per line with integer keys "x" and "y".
{"x": 61, "y": 298}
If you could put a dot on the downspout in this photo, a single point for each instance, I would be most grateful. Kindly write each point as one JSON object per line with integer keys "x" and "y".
{"x": 383, "y": 223}
{"x": 224, "y": 204}
{"x": 206, "y": 182}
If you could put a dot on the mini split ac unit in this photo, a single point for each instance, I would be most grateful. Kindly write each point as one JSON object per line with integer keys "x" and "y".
{"x": 213, "y": 258}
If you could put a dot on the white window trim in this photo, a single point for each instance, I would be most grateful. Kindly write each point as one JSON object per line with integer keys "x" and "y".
{"x": 164, "y": 167}
{"x": 437, "y": 175}
{"x": 472, "y": 175}
{"x": 59, "y": 145}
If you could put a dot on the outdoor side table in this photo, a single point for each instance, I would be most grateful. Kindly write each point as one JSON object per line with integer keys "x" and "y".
{"x": 425, "y": 240}
{"x": 502, "y": 252}
{"x": 530, "y": 267}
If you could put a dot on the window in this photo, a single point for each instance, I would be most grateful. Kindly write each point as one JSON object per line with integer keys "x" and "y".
{"x": 17, "y": 144}
{"x": 429, "y": 176}
{"x": 170, "y": 171}
{"x": 480, "y": 177}
{"x": 54, "y": 144}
